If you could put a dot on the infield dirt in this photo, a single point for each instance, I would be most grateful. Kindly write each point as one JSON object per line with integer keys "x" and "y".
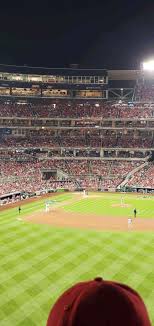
{"x": 61, "y": 218}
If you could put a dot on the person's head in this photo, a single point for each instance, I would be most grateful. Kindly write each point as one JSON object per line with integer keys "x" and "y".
{"x": 99, "y": 303}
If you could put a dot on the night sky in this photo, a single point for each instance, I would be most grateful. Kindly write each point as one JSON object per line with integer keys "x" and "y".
{"x": 112, "y": 34}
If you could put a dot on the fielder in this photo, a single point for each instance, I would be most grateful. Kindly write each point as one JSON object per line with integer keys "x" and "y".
{"x": 130, "y": 223}
{"x": 47, "y": 207}
{"x": 122, "y": 200}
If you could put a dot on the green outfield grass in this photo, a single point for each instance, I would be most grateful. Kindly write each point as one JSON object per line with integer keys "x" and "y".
{"x": 105, "y": 204}
{"x": 38, "y": 262}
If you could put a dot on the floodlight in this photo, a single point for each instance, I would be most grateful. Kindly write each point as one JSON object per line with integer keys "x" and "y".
{"x": 148, "y": 65}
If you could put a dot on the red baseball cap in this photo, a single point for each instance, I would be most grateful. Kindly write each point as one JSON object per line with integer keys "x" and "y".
{"x": 99, "y": 303}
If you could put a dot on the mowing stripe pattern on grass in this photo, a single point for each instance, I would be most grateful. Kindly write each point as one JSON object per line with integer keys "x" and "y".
{"x": 39, "y": 262}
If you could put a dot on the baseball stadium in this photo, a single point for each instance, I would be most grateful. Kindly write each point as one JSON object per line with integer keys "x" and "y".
{"x": 76, "y": 184}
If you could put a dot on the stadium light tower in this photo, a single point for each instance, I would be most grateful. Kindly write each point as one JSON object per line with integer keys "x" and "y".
{"x": 146, "y": 70}
{"x": 148, "y": 65}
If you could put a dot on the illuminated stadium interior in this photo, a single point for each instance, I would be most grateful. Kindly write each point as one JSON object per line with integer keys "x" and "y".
{"x": 75, "y": 129}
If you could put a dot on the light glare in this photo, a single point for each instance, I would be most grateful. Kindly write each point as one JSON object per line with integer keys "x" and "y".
{"x": 148, "y": 65}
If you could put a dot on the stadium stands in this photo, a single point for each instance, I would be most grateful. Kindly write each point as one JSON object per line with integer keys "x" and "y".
{"x": 28, "y": 176}
{"x": 143, "y": 178}
{"x": 80, "y": 139}
{"x": 145, "y": 93}
{"x": 89, "y": 142}
{"x": 77, "y": 109}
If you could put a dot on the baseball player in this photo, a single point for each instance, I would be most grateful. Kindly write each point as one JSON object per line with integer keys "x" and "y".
{"x": 122, "y": 200}
{"x": 47, "y": 207}
{"x": 130, "y": 223}
{"x": 135, "y": 212}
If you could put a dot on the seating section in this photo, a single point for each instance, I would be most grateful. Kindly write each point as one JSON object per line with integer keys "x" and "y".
{"x": 143, "y": 178}
{"x": 76, "y": 109}
{"x": 145, "y": 92}
{"x": 79, "y": 139}
{"x": 28, "y": 176}
{"x": 72, "y": 141}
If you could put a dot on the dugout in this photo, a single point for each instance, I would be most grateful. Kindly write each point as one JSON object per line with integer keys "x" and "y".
{"x": 14, "y": 196}
{"x": 144, "y": 190}
{"x": 10, "y": 197}
{"x": 137, "y": 189}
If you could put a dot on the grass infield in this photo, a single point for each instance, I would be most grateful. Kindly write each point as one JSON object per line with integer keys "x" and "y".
{"x": 114, "y": 205}
{"x": 38, "y": 262}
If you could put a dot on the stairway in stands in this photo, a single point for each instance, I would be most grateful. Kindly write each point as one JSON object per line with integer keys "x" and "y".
{"x": 130, "y": 174}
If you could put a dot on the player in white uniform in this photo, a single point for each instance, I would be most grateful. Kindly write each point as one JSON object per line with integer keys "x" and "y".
{"x": 122, "y": 200}
{"x": 130, "y": 223}
{"x": 47, "y": 207}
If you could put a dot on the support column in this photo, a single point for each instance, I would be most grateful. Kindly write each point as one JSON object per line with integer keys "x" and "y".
{"x": 113, "y": 123}
{"x": 72, "y": 123}
{"x": 101, "y": 152}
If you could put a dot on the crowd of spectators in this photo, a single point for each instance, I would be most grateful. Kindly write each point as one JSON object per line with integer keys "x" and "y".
{"x": 145, "y": 92}
{"x": 26, "y": 142}
{"x": 108, "y": 140}
{"x": 23, "y": 172}
{"x": 143, "y": 178}
{"x": 123, "y": 142}
{"x": 76, "y": 109}
{"x": 28, "y": 176}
